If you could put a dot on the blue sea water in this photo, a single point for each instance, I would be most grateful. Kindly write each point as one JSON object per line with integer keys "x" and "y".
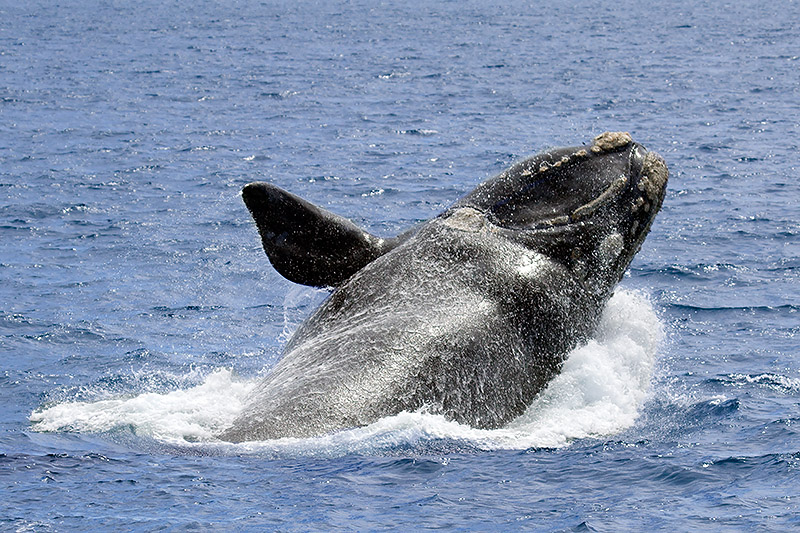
{"x": 137, "y": 308}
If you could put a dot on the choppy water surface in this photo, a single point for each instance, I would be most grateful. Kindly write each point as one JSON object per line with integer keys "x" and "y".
{"x": 137, "y": 308}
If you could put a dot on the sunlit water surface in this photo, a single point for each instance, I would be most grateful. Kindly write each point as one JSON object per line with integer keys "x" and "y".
{"x": 137, "y": 309}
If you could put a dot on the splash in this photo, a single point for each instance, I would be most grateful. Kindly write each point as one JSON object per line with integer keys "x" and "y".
{"x": 195, "y": 414}
{"x": 599, "y": 392}
{"x": 602, "y": 384}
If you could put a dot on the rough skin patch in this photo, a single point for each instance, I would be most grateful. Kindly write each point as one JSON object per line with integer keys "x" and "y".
{"x": 654, "y": 176}
{"x": 610, "y": 140}
{"x": 466, "y": 219}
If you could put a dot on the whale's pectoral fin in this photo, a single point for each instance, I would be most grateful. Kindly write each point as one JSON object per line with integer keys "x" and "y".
{"x": 307, "y": 244}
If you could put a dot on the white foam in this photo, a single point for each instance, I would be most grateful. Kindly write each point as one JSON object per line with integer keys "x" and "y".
{"x": 599, "y": 392}
{"x": 193, "y": 414}
{"x": 602, "y": 385}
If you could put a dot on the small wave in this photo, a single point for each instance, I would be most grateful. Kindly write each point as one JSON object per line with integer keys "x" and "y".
{"x": 759, "y": 464}
{"x": 767, "y": 309}
{"x": 184, "y": 311}
{"x": 599, "y": 392}
{"x": 774, "y": 382}
{"x": 393, "y": 75}
{"x": 65, "y": 333}
{"x": 715, "y": 408}
{"x": 278, "y": 95}
{"x": 699, "y": 271}
{"x": 420, "y": 132}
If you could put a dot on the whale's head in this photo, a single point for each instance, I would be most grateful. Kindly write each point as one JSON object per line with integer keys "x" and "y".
{"x": 588, "y": 207}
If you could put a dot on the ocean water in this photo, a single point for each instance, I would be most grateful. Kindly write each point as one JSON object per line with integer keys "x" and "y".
{"x": 137, "y": 308}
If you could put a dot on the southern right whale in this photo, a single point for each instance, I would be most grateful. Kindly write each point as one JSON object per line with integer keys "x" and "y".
{"x": 468, "y": 315}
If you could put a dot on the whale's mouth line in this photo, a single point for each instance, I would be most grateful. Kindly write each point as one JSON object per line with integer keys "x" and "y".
{"x": 465, "y": 217}
{"x": 647, "y": 175}
{"x": 633, "y": 180}
{"x": 613, "y": 190}
{"x": 586, "y": 210}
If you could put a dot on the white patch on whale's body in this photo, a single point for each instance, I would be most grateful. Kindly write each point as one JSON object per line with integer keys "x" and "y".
{"x": 530, "y": 263}
{"x": 466, "y": 219}
{"x": 610, "y": 248}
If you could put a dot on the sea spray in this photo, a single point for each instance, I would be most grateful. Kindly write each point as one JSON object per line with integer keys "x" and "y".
{"x": 196, "y": 413}
{"x": 599, "y": 392}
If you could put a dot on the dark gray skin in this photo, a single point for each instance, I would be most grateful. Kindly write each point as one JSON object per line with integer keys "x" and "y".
{"x": 471, "y": 314}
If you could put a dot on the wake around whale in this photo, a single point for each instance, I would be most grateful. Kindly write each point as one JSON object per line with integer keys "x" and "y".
{"x": 469, "y": 314}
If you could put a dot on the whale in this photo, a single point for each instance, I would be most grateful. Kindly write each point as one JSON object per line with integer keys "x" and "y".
{"x": 468, "y": 315}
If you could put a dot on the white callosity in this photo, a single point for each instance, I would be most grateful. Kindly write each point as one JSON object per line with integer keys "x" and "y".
{"x": 466, "y": 219}
{"x": 654, "y": 176}
{"x": 610, "y": 140}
